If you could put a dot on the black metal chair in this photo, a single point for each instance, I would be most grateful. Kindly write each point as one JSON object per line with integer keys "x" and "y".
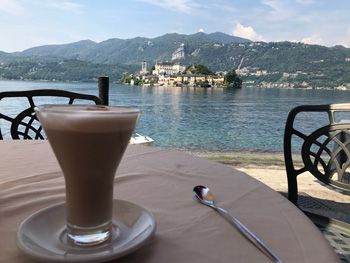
{"x": 323, "y": 151}
{"x": 25, "y": 125}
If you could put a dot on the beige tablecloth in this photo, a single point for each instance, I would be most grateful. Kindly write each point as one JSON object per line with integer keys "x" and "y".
{"x": 162, "y": 180}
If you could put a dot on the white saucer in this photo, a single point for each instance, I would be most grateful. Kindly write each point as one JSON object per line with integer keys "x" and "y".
{"x": 43, "y": 235}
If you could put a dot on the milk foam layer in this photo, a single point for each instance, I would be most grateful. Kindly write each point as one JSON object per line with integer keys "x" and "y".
{"x": 94, "y": 118}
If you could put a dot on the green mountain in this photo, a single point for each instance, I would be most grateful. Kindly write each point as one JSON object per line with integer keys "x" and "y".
{"x": 259, "y": 63}
{"x": 61, "y": 70}
{"x": 66, "y": 50}
{"x": 131, "y": 51}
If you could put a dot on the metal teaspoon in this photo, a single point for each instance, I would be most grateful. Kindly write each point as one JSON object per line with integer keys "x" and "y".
{"x": 205, "y": 196}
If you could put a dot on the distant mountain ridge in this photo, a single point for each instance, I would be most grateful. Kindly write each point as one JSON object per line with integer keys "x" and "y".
{"x": 64, "y": 50}
{"x": 298, "y": 64}
{"x": 129, "y": 51}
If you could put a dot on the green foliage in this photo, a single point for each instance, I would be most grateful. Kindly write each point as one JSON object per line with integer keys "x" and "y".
{"x": 62, "y": 70}
{"x": 203, "y": 84}
{"x": 232, "y": 80}
{"x": 85, "y": 60}
{"x": 200, "y": 70}
{"x": 138, "y": 81}
{"x": 126, "y": 78}
{"x": 132, "y": 51}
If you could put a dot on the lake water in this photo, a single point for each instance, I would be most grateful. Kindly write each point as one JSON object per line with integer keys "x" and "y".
{"x": 214, "y": 119}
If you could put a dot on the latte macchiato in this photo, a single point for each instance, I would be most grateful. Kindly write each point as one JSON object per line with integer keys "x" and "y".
{"x": 89, "y": 142}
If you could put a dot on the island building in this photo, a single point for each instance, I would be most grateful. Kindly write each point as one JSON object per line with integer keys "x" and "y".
{"x": 144, "y": 67}
{"x": 169, "y": 68}
{"x": 168, "y": 73}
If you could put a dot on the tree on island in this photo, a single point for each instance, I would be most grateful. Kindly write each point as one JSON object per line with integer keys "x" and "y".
{"x": 232, "y": 80}
{"x": 126, "y": 79}
{"x": 200, "y": 70}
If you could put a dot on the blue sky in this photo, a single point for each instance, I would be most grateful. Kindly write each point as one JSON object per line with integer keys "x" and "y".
{"x": 29, "y": 23}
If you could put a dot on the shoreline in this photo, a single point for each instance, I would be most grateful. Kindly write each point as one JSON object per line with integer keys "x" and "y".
{"x": 243, "y": 158}
{"x": 117, "y": 82}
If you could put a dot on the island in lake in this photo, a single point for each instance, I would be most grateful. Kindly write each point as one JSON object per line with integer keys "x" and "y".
{"x": 177, "y": 74}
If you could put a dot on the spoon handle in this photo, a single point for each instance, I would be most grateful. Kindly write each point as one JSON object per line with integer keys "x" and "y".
{"x": 256, "y": 241}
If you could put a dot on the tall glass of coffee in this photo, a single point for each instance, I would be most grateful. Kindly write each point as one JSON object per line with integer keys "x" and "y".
{"x": 89, "y": 142}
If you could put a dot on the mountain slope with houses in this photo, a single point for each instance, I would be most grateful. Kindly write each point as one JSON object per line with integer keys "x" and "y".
{"x": 257, "y": 62}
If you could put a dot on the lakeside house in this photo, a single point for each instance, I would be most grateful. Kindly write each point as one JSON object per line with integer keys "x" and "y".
{"x": 169, "y": 73}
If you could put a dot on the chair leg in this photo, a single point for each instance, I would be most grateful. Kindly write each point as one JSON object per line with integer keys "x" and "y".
{"x": 293, "y": 190}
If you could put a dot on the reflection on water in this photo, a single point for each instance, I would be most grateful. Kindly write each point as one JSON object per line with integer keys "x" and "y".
{"x": 203, "y": 119}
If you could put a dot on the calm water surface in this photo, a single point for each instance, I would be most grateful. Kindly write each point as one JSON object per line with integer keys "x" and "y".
{"x": 202, "y": 119}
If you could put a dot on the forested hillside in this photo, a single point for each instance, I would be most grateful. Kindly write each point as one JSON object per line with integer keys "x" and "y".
{"x": 297, "y": 64}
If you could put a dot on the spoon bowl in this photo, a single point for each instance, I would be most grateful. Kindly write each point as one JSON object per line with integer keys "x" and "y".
{"x": 205, "y": 196}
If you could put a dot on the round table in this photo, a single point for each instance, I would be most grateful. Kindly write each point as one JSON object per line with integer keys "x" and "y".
{"x": 162, "y": 181}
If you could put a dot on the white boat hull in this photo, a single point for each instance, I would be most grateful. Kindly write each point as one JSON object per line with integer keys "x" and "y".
{"x": 141, "y": 140}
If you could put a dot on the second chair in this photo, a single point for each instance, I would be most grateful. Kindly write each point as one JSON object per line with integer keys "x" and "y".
{"x": 24, "y": 124}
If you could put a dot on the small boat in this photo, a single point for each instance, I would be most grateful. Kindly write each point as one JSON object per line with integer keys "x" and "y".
{"x": 141, "y": 140}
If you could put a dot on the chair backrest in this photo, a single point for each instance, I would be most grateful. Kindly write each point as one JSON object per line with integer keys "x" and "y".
{"x": 25, "y": 124}
{"x": 324, "y": 149}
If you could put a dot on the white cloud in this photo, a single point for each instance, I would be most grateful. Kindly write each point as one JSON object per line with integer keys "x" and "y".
{"x": 66, "y": 5}
{"x": 305, "y": 2}
{"x": 247, "y": 32}
{"x": 182, "y": 6}
{"x": 314, "y": 39}
{"x": 280, "y": 9}
{"x": 345, "y": 38}
{"x": 12, "y": 7}
{"x": 225, "y": 7}
{"x": 344, "y": 44}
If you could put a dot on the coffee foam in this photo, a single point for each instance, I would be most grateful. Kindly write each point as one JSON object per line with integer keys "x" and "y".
{"x": 89, "y": 119}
